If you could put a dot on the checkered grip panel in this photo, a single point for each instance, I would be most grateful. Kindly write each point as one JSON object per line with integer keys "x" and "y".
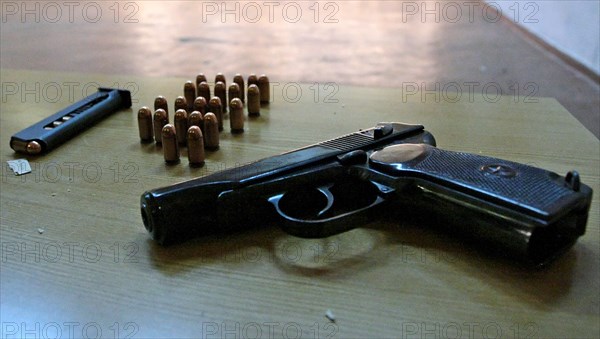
{"x": 529, "y": 186}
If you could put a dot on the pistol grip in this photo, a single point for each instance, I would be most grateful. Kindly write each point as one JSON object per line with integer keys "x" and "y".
{"x": 529, "y": 211}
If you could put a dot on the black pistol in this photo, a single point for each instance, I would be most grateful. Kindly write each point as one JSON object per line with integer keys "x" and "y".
{"x": 340, "y": 184}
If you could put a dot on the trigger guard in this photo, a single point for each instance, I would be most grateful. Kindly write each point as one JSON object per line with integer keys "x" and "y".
{"x": 326, "y": 227}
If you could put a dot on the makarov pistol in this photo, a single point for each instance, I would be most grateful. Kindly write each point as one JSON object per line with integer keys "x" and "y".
{"x": 343, "y": 183}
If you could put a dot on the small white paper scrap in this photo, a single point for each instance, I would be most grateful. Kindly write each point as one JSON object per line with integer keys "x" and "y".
{"x": 19, "y": 166}
{"x": 329, "y": 315}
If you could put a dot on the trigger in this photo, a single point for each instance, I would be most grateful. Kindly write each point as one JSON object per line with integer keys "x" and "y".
{"x": 325, "y": 190}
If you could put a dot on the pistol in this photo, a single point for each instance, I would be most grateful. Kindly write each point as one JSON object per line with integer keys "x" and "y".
{"x": 529, "y": 213}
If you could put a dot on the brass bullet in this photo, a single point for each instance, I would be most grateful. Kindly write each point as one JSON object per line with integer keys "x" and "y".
{"x": 169, "y": 141}
{"x": 200, "y": 105}
{"x": 239, "y": 79}
{"x": 211, "y": 132}
{"x": 236, "y": 115}
{"x": 252, "y": 80}
{"x": 234, "y": 92}
{"x": 181, "y": 124}
{"x": 160, "y": 120}
{"x": 221, "y": 92}
{"x": 204, "y": 91}
{"x": 220, "y": 77}
{"x": 161, "y": 103}
{"x": 33, "y": 147}
{"x": 253, "y": 101}
{"x": 196, "y": 119}
{"x": 195, "y": 148}
{"x": 189, "y": 93}
{"x": 145, "y": 124}
{"x": 214, "y": 106}
{"x": 181, "y": 103}
{"x": 199, "y": 79}
{"x": 265, "y": 91}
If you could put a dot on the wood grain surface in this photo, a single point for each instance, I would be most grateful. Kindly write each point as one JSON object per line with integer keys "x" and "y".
{"x": 77, "y": 259}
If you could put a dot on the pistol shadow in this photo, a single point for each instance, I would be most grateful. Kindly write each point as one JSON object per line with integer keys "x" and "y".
{"x": 361, "y": 250}
{"x": 337, "y": 256}
{"x": 436, "y": 247}
{"x": 341, "y": 255}
{"x": 228, "y": 248}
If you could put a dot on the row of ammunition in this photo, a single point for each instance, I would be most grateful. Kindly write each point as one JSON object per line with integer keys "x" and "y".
{"x": 201, "y": 115}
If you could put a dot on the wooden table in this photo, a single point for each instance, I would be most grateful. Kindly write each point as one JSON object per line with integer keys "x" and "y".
{"x": 76, "y": 260}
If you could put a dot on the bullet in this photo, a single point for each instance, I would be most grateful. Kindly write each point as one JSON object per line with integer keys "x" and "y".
{"x": 234, "y": 92}
{"x": 204, "y": 91}
{"x": 221, "y": 92}
{"x": 211, "y": 132}
{"x": 160, "y": 120}
{"x": 34, "y": 147}
{"x": 200, "y": 78}
{"x": 181, "y": 124}
{"x": 265, "y": 91}
{"x": 189, "y": 93}
{"x": 214, "y": 106}
{"x": 239, "y": 79}
{"x": 145, "y": 124}
{"x": 220, "y": 77}
{"x": 169, "y": 141}
{"x": 181, "y": 103}
{"x": 252, "y": 80}
{"x": 161, "y": 103}
{"x": 236, "y": 115}
{"x": 196, "y": 119}
{"x": 200, "y": 105}
{"x": 195, "y": 148}
{"x": 253, "y": 101}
